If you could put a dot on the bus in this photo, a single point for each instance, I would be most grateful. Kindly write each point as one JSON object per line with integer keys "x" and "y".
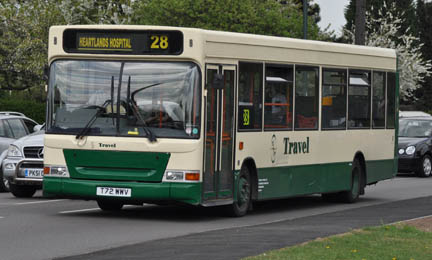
{"x": 154, "y": 114}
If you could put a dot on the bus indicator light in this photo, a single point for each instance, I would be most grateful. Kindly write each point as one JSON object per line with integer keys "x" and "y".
{"x": 241, "y": 146}
{"x": 192, "y": 176}
{"x": 46, "y": 170}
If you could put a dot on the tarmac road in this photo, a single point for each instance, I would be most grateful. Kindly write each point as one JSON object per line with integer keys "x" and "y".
{"x": 46, "y": 229}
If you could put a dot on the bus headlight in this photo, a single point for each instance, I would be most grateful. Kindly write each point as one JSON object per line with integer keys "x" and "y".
{"x": 56, "y": 171}
{"x": 181, "y": 176}
{"x": 410, "y": 150}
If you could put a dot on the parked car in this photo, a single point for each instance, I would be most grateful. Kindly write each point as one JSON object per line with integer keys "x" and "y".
{"x": 403, "y": 114}
{"x": 415, "y": 145}
{"x": 23, "y": 165}
{"x": 13, "y": 125}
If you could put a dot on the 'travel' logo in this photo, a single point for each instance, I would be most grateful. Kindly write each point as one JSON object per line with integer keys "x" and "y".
{"x": 296, "y": 147}
{"x": 101, "y": 145}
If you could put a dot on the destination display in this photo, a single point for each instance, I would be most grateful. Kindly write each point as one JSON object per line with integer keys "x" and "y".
{"x": 123, "y": 42}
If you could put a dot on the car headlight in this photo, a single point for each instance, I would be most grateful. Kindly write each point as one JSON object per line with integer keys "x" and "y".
{"x": 14, "y": 151}
{"x": 410, "y": 150}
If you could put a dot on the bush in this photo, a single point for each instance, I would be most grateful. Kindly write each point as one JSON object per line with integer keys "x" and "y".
{"x": 31, "y": 108}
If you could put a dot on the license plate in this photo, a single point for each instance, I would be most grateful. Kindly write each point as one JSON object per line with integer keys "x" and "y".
{"x": 113, "y": 192}
{"x": 33, "y": 173}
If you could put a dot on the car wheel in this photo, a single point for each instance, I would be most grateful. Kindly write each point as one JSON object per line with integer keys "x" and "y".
{"x": 109, "y": 205}
{"x": 4, "y": 184}
{"x": 425, "y": 168}
{"x": 22, "y": 191}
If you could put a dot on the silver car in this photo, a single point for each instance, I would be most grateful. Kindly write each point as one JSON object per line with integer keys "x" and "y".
{"x": 13, "y": 125}
{"x": 23, "y": 165}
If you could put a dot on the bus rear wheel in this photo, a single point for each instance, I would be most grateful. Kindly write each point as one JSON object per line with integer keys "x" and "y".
{"x": 353, "y": 194}
{"x": 242, "y": 200}
{"x": 109, "y": 205}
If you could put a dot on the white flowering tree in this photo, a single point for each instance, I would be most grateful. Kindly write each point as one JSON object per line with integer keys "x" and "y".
{"x": 385, "y": 31}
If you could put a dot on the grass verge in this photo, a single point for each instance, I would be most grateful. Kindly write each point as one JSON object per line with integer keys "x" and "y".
{"x": 393, "y": 242}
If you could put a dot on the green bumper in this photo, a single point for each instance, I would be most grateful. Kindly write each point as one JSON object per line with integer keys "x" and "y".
{"x": 189, "y": 193}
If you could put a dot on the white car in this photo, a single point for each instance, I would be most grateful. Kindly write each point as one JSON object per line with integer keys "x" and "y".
{"x": 13, "y": 125}
{"x": 23, "y": 165}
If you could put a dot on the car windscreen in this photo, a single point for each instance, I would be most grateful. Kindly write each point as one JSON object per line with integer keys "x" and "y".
{"x": 415, "y": 128}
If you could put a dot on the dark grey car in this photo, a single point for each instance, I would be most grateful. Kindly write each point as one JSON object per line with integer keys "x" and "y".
{"x": 13, "y": 125}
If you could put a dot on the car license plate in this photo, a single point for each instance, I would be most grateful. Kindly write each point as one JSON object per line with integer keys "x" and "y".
{"x": 33, "y": 173}
{"x": 113, "y": 192}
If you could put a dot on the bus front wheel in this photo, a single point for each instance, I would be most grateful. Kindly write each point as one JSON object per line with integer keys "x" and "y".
{"x": 242, "y": 200}
{"x": 109, "y": 205}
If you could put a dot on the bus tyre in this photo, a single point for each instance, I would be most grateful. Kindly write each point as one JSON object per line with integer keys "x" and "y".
{"x": 425, "y": 168}
{"x": 353, "y": 194}
{"x": 242, "y": 200}
{"x": 109, "y": 205}
{"x": 22, "y": 191}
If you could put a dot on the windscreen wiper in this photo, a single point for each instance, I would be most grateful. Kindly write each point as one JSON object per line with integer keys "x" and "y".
{"x": 100, "y": 110}
{"x": 149, "y": 133}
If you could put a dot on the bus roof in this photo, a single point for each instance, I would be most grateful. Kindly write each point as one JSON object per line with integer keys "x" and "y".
{"x": 244, "y": 46}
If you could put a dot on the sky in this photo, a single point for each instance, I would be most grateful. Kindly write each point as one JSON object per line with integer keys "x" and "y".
{"x": 332, "y": 12}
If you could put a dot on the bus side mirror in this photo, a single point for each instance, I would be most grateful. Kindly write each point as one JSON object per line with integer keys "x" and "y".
{"x": 217, "y": 81}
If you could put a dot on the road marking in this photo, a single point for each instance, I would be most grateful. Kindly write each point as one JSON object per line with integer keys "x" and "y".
{"x": 37, "y": 202}
{"x": 1, "y": 217}
{"x": 78, "y": 210}
{"x": 92, "y": 209}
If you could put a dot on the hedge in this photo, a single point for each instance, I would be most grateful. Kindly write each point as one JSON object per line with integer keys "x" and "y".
{"x": 30, "y": 108}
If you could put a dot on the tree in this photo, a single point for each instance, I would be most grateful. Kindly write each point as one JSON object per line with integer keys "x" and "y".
{"x": 405, "y": 7}
{"x": 24, "y": 29}
{"x": 384, "y": 31}
{"x": 269, "y": 17}
{"x": 424, "y": 23}
{"x": 360, "y": 22}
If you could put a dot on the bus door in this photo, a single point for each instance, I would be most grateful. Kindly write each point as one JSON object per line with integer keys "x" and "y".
{"x": 219, "y": 137}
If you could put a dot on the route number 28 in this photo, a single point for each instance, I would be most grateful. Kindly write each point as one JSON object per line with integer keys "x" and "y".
{"x": 159, "y": 42}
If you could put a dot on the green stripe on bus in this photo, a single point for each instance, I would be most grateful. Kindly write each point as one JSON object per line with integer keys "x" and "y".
{"x": 189, "y": 193}
{"x": 116, "y": 165}
{"x": 281, "y": 182}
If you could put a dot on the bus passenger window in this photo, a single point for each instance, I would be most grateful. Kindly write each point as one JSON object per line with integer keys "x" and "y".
{"x": 359, "y": 93}
{"x": 378, "y": 99}
{"x": 334, "y": 99}
{"x": 306, "y": 97}
{"x": 391, "y": 98}
{"x": 250, "y": 95}
{"x": 278, "y": 97}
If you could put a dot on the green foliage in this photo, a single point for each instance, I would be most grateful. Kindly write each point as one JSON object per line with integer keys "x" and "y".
{"x": 31, "y": 108}
{"x": 386, "y": 242}
{"x": 424, "y": 23}
{"x": 24, "y": 33}
{"x": 266, "y": 17}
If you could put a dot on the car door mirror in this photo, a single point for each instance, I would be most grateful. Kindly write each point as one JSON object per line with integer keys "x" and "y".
{"x": 37, "y": 128}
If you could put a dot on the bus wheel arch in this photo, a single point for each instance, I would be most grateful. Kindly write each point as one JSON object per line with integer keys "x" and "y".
{"x": 359, "y": 157}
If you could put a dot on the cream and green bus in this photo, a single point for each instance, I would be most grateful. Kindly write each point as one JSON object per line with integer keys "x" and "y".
{"x": 152, "y": 114}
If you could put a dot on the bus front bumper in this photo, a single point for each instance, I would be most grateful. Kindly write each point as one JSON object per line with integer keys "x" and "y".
{"x": 188, "y": 193}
